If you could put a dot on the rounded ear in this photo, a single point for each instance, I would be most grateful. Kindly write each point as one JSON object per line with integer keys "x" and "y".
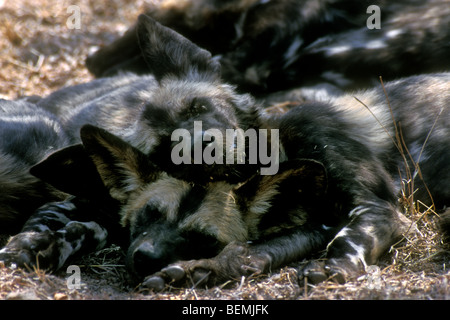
{"x": 71, "y": 171}
{"x": 274, "y": 205}
{"x": 309, "y": 174}
{"x": 166, "y": 52}
{"x": 305, "y": 176}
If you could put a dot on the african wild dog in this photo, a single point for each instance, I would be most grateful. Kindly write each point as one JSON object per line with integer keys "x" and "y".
{"x": 337, "y": 188}
{"x": 143, "y": 110}
{"x": 363, "y": 168}
{"x": 170, "y": 219}
{"x": 267, "y": 46}
{"x": 185, "y": 86}
{"x": 337, "y": 180}
{"x": 357, "y": 207}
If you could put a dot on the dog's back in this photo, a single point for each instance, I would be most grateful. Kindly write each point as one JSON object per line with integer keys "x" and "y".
{"x": 28, "y": 134}
{"x": 406, "y": 123}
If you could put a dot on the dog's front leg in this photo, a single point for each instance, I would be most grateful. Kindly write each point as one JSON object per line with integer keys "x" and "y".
{"x": 50, "y": 237}
{"x": 240, "y": 259}
{"x": 373, "y": 228}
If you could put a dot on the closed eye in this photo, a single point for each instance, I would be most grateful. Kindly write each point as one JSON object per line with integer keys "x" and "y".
{"x": 199, "y": 105}
{"x": 144, "y": 217}
{"x": 201, "y": 245}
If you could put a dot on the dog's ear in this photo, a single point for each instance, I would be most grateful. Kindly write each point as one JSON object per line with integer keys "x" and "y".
{"x": 303, "y": 175}
{"x": 167, "y": 53}
{"x": 276, "y": 203}
{"x": 72, "y": 171}
{"x": 301, "y": 181}
{"x": 102, "y": 166}
{"x": 123, "y": 169}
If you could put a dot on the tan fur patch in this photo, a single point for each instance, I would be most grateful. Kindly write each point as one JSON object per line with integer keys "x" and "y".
{"x": 218, "y": 215}
{"x": 165, "y": 193}
{"x": 261, "y": 204}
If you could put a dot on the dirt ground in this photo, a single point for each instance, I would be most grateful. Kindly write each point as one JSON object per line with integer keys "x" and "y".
{"x": 40, "y": 52}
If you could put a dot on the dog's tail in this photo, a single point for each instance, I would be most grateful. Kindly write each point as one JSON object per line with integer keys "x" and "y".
{"x": 445, "y": 224}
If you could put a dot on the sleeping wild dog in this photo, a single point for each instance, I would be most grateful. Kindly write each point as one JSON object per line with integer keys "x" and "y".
{"x": 266, "y": 46}
{"x": 143, "y": 110}
{"x": 337, "y": 189}
{"x": 184, "y": 87}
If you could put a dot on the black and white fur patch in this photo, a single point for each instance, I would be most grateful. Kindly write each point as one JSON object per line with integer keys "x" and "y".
{"x": 268, "y": 46}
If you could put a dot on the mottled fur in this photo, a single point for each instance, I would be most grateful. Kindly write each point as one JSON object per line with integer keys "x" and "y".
{"x": 267, "y": 46}
{"x": 28, "y": 134}
{"x": 358, "y": 144}
{"x": 367, "y": 162}
{"x": 185, "y": 86}
{"x": 143, "y": 110}
{"x": 337, "y": 187}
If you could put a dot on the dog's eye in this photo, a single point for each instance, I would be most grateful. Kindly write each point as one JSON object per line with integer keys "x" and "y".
{"x": 206, "y": 246}
{"x": 198, "y": 106}
{"x": 145, "y": 216}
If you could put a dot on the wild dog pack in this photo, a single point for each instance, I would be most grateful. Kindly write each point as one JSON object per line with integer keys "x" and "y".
{"x": 173, "y": 166}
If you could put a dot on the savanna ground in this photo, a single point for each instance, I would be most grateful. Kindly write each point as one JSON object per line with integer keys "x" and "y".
{"x": 39, "y": 53}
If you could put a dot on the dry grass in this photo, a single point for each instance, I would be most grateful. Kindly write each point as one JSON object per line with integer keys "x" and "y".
{"x": 39, "y": 54}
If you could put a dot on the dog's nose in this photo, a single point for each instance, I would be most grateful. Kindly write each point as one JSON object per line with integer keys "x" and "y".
{"x": 146, "y": 252}
{"x": 148, "y": 258}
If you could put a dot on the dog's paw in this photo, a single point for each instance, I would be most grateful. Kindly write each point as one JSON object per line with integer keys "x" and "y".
{"x": 235, "y": 261}
{"x": 28, "y": 249}
{"x": 337, "y": 270}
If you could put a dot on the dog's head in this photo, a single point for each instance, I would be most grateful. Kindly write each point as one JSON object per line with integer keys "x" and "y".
{"x": 170, "y": 219}
{"x": 189, "y": 90}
